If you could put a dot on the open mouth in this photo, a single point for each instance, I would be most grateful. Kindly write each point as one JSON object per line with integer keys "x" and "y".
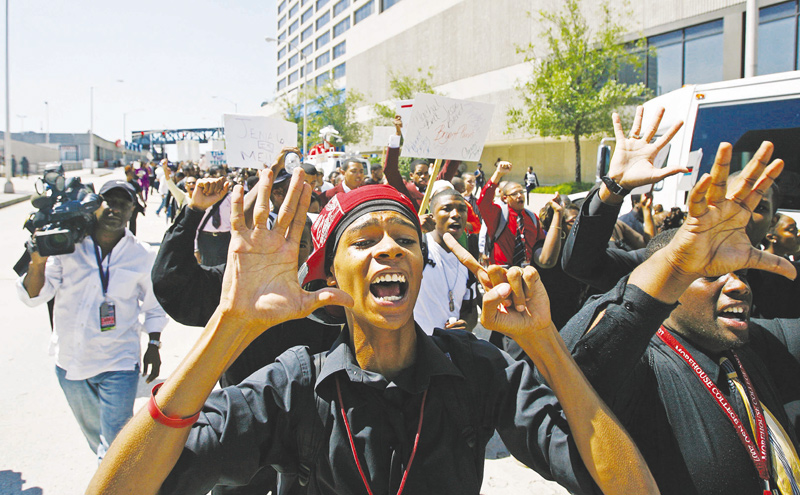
{"x": 736, "y": 316}
{"x": 390, "y": 287}
{"x": 454, "y": 227}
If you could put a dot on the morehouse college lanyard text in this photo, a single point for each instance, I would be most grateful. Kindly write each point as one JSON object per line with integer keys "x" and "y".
{"x": 758, "y": 455}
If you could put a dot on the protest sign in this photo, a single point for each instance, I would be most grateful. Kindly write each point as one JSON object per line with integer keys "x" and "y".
{"x": 253, "y": 141}
{"x": 445, "y": 128}
{"x": 380, "y": 135}
{"x": 216, "y": 158}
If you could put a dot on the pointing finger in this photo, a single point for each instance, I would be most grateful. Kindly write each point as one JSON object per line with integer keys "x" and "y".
{"x": 467, "y": 260}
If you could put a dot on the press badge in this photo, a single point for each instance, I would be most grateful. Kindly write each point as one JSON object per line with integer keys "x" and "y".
{"x": 108, "y": 316}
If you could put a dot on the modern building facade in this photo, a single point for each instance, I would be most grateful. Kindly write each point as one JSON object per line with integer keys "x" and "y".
{"x": 470, "y": 46}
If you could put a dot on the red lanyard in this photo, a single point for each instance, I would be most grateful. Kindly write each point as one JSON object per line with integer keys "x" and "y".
{"x": 353, "y": 445}
{"x": 758, "y": 456}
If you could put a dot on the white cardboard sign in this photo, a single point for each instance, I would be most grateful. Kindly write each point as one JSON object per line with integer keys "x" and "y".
{"x": 446, "y": 128}
{"x": 253, "y": 141}
{"x": 381, "y": 134}
{"x": 403, "y": 109}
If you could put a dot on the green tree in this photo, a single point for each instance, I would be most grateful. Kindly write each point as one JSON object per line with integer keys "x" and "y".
{"x": 403, "y": 87}
{"x": 327, "y": 105}
{"x": 574, "y": 88}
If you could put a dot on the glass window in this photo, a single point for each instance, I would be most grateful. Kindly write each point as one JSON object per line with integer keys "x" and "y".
{"x": 293, "y": 60}
{"x": 282, "y": 36}
{"x": 385, "y": 4}
{"x": 341, "y": 27}
{"x": 322, "y": 78}
{"x": 293, "y": 10}
{"x": 293, "y": 43}
{"x": 307, "y": 50}
{"x": 339, "y": 49}
{"x": 746, "y": 124}
{"x": 324, "y": 39}
{"x": 777, "y": 38}
{"x": 702, "y": 59}
{"x": 307, "y": 15}
{"x": 281, "y": 6}
{"x": 281, "y": 68}
{"x": 307, "y": 33}
{"x": 338, "y": 71}
{"x": 281, "y": 84}
{"x": 665, "y": 72}
{"x": 293, "y": 27}
{"x": 340, "y": 7}
{"x": 292, "y": 77}
{"x": 304, "y": 2}
{"x": 364, "y": 12}
{"x": 323, "y": 59}
{"x": 281, "y": 53}
{"x": 323, "y": 19}
{"x": 322, "y": 3}
{"x": 309, "y": 67}
{"x": 281, "y": 22}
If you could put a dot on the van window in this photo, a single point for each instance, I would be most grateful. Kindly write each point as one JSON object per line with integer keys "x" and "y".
{"x": 746, "y": 125}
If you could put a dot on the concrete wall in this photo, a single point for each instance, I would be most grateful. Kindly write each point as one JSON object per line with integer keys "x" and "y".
{"x": 552, "y": 159}
{"x": 34, "y": 152}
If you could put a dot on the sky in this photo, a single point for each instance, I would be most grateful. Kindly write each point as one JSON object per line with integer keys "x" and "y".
{"x": 158, "y": 61}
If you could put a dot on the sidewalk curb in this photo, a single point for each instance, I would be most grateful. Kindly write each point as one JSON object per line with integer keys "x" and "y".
{"x": 14, "y": 201}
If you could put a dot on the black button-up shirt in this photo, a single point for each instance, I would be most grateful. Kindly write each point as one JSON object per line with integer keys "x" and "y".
{"x": 255, "y": 423}
{"x": 688, "y": 442}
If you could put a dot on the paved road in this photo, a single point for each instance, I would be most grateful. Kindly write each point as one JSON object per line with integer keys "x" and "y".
{"x": 43, "y": 451}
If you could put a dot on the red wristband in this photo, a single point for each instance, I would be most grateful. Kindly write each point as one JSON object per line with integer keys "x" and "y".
{"x": 165, "y": 420}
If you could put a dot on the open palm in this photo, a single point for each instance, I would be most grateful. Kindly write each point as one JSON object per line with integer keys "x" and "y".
{"x": 632, "y": 162}
{"x": 712, "y": 241}
{"x": 260, "y": 285}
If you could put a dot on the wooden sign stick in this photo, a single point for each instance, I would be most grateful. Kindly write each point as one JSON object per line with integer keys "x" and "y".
{"x": 429, "y": 190}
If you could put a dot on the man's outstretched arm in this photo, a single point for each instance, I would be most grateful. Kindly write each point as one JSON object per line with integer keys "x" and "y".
{"x": 146, "y": 451}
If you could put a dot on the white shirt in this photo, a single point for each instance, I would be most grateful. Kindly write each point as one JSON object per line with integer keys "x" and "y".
{"x": 325, "y": 186}
{"x": 224, "y": 217}
{"x": 162, "y": 187}
{"x": 79, "y": 346}
{"x": 433, "y": 304}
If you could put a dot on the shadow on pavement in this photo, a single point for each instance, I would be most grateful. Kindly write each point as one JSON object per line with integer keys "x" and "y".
{"x": 11, "y": 484}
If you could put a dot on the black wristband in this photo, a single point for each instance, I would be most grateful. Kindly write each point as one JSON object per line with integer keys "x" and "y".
{"x": 615, "y": 188}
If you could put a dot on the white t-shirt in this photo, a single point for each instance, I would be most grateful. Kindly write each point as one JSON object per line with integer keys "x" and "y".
{"x": 433, "y": 304}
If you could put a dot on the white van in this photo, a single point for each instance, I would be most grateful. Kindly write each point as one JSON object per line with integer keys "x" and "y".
{"x": 743, "y": 112}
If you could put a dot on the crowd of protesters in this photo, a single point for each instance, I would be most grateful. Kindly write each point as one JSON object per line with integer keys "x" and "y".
{"x": 655, "y": 351}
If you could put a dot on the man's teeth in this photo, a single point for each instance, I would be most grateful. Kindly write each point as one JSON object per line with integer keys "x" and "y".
{"x": 390, "y": 298}
{"x": 393, "y": 277}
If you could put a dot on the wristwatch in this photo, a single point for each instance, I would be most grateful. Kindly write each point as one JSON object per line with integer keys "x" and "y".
{"x": 156, "y": 343}
{"x": 615, "y": 188}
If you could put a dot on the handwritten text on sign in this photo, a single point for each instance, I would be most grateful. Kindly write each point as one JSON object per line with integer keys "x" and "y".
{"x": 445, "y": 128}
{"x": 254, "y": 141}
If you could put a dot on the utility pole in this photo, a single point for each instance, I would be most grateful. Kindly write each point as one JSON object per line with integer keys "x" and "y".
{"x": 9, "y": 187}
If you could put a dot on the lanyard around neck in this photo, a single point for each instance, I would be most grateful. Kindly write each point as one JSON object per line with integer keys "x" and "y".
{"x": 104, "y": 275}
{"x": 759, "y": 455}
{"x": 353, "y": 445}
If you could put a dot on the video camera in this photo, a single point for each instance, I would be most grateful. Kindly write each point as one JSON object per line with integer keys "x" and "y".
{"x": 65, "y": 213}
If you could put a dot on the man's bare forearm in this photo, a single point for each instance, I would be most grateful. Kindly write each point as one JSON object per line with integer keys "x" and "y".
{"x": 34, "y": 279}
{"x": 605, "y": 446}
{"x": 123, "y": 470}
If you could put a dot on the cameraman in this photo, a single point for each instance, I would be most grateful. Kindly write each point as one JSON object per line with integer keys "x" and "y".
{"x": 101, "y": 290}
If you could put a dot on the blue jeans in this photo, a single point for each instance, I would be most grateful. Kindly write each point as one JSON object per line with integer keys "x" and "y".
{"x": 162, "y": 205}
{"x": 102, "y": 404}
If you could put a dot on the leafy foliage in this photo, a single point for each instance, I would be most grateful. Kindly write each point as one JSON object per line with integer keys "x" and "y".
{"x": 327, "y": 105}
{"x": 403, "y": 87}
{"x": 564, "y": 188}
{"x": 573, "y": 88}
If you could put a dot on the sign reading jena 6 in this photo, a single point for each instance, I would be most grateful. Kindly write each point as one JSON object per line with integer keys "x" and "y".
{"x": 252, "y": 141}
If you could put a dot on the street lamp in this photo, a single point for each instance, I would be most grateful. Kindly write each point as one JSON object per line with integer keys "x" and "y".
{"x": 235, "y": 106}
{"x": 304, "y": 70}
{"x": 9, "y": 186}
{"x": 47, "y": 123}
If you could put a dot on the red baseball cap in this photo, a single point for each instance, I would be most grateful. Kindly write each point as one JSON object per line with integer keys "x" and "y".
{"x": 342, "y": 210}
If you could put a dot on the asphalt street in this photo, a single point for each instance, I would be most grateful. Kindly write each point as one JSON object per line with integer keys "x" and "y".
{"x": 43, "y": 451}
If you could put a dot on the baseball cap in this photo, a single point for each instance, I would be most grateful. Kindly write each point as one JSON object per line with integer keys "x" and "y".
{"x": 341, "y": 211}
{"x": 119, "y": 184}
